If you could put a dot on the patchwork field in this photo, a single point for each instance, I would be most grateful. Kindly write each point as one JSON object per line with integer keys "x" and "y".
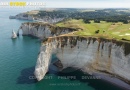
{"x": 108, "y": 30}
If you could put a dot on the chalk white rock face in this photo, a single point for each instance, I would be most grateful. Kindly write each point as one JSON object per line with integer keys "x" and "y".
{"x": 25, "y": 29}
{"x": 110, "y": 58}
{"x": 50, "y": 20}
{"x": 40, "y": 31}
{"x": 43, "y": 61}
{"x": 13, "y": 34}
{"x": 24, "y": 16}
{"x": 90, "y": 56}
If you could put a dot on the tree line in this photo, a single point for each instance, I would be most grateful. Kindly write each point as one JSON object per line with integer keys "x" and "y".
{"x": 108, "y": 15}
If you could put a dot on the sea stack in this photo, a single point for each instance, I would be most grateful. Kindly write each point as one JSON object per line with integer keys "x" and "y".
{"x": 13, "y": 34}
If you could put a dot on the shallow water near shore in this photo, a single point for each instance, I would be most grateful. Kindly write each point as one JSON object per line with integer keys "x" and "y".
{"x": 18, "y": 58}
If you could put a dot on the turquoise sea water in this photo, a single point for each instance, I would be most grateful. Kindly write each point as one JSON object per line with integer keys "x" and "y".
{"x": 18, "y": 58}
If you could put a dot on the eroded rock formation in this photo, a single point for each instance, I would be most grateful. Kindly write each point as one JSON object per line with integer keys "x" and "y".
{"x": 88, "y": 54}
{"x": 44, "y": 30}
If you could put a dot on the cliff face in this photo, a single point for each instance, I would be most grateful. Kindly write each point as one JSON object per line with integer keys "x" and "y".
{"x": 88, "y": 54}
{"x": 22, "y": 16}
{"x": 43, "y": 30}
{"x": 43, "y": 61}
{"x": 49, "y": 19}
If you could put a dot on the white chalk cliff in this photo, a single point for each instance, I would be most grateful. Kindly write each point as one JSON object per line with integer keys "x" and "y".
{"x": 49, "y": 19}
{"x": 91, "y": 55}
{"x": 43, "y": 61}
{"x": 88, "y": 54}
{"x": 22, "y": 16}
{"x": 43, "y": 30}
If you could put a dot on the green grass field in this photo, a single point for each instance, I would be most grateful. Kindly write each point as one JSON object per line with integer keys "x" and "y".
{"x": 106, "y": 30}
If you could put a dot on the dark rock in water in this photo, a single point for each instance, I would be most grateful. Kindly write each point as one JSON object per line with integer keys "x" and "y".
{"x": 17, "y": 34}
{"x": 55, "y": 67}
{"x": 58, "y": 64}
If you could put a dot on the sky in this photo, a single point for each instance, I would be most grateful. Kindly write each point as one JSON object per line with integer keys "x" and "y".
{"x": 82, "y": 3}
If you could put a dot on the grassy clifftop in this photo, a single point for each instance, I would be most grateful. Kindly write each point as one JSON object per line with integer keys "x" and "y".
{"x": 108, "y": 30}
